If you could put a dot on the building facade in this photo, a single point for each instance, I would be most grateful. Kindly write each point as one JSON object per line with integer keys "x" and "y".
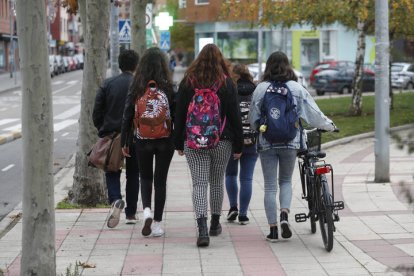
{"x": 240, "y": 41}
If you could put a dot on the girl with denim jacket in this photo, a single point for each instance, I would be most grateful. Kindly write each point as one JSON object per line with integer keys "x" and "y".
{"x": 282, "y": 156}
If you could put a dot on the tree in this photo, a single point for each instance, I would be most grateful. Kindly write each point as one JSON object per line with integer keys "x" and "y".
{"x": 138, "y": 25}
{"x": 182, "y": 34}
{"x": 88, "y": 185}
{"x": 357, "y": 15}
{"x": 38, "y": 235}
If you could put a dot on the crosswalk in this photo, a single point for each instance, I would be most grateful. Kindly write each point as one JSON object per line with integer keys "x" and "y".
{"x": 70, "y": 104}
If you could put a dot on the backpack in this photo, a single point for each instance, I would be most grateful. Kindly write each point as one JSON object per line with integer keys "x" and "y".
{"x": 279, "y": 114}
{"x": 203, "y": 124}
{"x": 152, "y": 113}
{"x": 249, "y": 135}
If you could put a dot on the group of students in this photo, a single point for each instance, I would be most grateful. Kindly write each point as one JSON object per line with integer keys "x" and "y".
{"x": 239, "y": 143}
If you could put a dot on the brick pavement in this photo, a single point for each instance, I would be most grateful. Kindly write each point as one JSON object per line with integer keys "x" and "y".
{"x": 375, "y": 233}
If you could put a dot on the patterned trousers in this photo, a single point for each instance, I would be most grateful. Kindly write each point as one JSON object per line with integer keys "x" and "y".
{"x": 208, "y": 167}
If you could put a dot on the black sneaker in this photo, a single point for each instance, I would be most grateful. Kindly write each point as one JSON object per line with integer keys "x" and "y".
{"x": 273, "y": 236}
{"x": 233, "y": 213}
{"x": 284, "y": 225}
{"x": 243, "y": 220}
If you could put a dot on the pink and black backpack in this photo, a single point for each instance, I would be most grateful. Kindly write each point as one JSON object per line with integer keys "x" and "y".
{"x": 203, "y": 124}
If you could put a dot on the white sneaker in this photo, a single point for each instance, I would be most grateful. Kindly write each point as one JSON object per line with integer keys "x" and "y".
{"x": 156, "y": 229}
{"x": 115, "y": 213}
{"x": 146, "y": 230}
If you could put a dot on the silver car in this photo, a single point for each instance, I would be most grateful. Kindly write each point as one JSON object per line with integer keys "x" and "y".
{"x": 254, "y": 70}
{"x": 402, "y": 75}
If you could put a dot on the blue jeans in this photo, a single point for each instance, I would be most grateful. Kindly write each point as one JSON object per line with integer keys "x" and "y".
{"x": 247, "y": 164}
{"x": 113, "y": 183}
{"x": 272, "y": 160}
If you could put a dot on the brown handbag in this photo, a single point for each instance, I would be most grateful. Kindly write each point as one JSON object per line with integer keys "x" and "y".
{"x": 106, "y": 154}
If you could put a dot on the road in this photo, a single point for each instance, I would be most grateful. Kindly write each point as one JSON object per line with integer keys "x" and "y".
{"x": 66, "y": 90}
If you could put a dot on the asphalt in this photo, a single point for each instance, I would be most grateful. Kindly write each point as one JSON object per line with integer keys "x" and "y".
{"x": 375, "y": 234}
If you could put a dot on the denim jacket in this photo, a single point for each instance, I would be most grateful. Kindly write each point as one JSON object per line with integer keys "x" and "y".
{"x": 307, "y": 108}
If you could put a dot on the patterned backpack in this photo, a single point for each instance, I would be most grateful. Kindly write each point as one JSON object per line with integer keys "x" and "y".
{"x": 203, "y": 124}
{"x": 152, "y": 113}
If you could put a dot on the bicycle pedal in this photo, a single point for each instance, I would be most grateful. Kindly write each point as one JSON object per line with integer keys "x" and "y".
{"x": 336, "y": 217}
{"x": 339, "y": 205}
{"x": 301, "y": 217}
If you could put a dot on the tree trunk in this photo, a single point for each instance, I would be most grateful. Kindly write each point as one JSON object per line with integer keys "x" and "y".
{"x": 138, "y": 30}
{"x": 88, "y": 184}
{"x": 38, "y": 235}
{"x": 356, "y": 108}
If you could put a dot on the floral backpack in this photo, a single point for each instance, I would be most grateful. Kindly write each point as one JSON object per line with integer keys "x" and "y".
{"x": 204, "y": 124}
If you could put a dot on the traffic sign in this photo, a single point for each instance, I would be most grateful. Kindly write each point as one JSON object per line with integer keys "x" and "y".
{"x": 125, "y": 31}
{"x": 165, "y": 40}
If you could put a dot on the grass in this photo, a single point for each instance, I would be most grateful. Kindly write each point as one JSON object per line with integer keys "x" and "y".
{"x": 337, "y": 109}
{"x": 66, "y": 204}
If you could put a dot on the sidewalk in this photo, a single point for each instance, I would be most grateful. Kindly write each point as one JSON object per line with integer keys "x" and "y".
{"x": 375, "y": 233}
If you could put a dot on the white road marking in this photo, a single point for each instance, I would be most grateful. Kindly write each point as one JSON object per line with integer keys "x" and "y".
{"x": 63, "y": 88}
{"x": 3, "y": 109}
{"x": 65, "y": 134}
{"x": 55, "y": 140}
{"x": 64, "y": 124}
{"x": 68, "y": 113}
{"x": 78, "y": 93}
{"x": 7, "y": 121}
{"x": 57, "y": 82}
{"x": 17, "y": 92}
{"x": 72, "y": 82}
{"x": 14, "y": 128}
{"x": 7, "y": 168}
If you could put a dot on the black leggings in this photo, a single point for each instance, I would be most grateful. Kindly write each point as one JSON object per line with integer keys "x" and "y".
{"x": 163, "y": 150}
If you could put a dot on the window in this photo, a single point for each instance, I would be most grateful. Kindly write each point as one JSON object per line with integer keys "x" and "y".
{"x": 202, "y": 2}
{"x": 182, "y": 4}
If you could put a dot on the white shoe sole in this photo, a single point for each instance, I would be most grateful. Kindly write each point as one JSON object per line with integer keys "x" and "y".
{"x": 115, "y": 214}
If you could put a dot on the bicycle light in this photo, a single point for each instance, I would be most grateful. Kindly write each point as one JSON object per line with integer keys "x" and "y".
{"x": 322, "y": 170}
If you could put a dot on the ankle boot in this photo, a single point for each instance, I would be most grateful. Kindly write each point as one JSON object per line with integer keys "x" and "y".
{"x": 203, "y": 239}
{"x": 215, "y": 227}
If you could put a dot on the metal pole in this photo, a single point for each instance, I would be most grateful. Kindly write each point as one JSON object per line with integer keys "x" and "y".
{"x": 382, "y": 99}
{"x": 114, "y": 37}
{"x": 11, "y": 39}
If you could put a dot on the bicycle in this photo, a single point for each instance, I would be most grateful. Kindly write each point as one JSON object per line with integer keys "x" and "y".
{"x": 315, "y": 188}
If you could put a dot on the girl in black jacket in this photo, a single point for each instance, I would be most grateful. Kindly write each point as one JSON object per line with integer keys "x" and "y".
{"x": 153, "y": 66}
{"x": 207, "y": 166}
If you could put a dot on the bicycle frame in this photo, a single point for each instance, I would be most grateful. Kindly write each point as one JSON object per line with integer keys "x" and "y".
{"x": 319, "y": 194}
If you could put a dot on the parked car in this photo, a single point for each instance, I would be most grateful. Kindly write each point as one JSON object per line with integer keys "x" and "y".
{"x": 331, "y": 64}
{"x": 402, "y": 75}
{"x": 340, "y": 81}
{"x": 54, "y": 63}
{"x": 254, "y": 70}
{"x": 79, "y": 58}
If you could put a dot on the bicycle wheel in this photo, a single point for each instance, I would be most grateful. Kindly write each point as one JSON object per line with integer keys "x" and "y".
{"x": 325, "y": 213}
{"x": 311, "y": 204}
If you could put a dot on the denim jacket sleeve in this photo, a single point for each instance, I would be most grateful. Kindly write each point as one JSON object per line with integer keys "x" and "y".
{"x": 255, "y": 106}
{"x": 308, "y": 109}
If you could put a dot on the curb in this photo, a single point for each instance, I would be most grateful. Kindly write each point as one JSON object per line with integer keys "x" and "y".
{"x": 5, "y": 138}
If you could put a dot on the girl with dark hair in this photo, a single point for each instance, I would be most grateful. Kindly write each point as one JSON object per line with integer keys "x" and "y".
{"x": 153, "y": 66}
{"x": 245, "y": 88}
{"x": 282, "y": 156}
{"x": 207, "y": 166}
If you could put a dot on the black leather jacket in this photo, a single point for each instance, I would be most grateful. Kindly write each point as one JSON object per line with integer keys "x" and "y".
{"x": 109, "y": 104}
